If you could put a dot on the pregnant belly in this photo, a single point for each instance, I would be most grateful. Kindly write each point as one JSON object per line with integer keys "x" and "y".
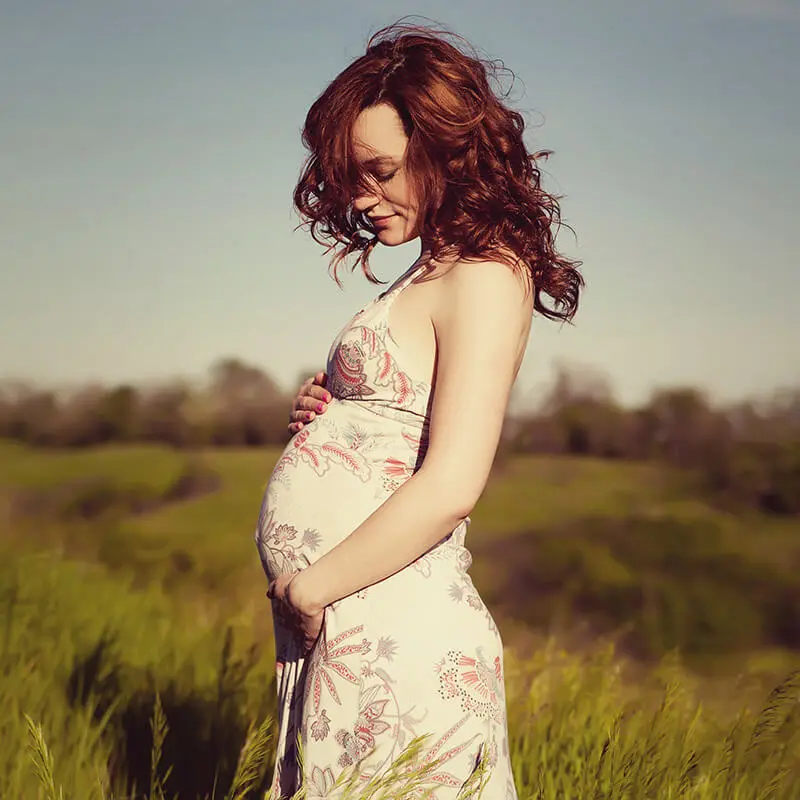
{"x": 329, "y": 479}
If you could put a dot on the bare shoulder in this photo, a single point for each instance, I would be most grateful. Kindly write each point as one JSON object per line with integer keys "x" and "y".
{"x": 487, "y": 287}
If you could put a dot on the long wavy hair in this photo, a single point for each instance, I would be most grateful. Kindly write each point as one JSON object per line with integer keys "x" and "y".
{"x": 478, "y": 188}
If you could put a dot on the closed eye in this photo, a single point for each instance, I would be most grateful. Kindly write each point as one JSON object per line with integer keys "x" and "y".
{"x": 386, "y": 176}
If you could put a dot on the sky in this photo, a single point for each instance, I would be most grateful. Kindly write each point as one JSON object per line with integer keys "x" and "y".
{"x": 149, "y": 151}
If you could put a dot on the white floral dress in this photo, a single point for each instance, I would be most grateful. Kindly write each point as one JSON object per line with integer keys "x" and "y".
{"x": 417, "y": 653}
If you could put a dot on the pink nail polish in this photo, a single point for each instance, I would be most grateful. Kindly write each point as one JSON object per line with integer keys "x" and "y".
{"x": 320, "y": 408}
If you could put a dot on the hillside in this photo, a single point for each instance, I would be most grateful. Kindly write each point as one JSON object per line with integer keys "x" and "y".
{"x": 129, "y": 574}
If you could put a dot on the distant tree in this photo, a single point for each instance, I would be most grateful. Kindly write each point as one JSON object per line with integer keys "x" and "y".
{"x": 251, "y": 409}
{"x": 79, "y": 423}
{"x": 33, "y": 417}
{"x": 118, "y": 417}
{"x": 575, "y": 384}
{"x": 240, "y": 384}
{"x": 784, "y": 409}
{"x": 7, "y": 409}
{"x": 585, "y": 417}
{"x": 762, "y": 467}
{"x": 746, "y": 454}
{"x": 162, "y": 415}
{"x": 684, "y": 426}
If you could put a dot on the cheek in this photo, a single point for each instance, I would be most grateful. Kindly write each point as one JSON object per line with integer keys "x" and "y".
{"x": 403, "y": 196}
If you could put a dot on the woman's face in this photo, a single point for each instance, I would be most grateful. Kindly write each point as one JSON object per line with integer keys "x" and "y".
{"x": 386, "y": 198}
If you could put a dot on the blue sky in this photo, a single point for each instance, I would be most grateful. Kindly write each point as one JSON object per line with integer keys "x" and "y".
{"x": 149, "y": 148}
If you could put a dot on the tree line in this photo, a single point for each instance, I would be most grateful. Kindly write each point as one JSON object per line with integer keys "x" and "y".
{"x": 744, "y": 453}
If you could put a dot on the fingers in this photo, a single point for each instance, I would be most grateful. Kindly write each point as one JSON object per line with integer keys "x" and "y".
{"x": 317, "y": 382}
{"x": 309, "y": 631}
{"x": 313, "y": 394}
{"x": 312, "y": 402}
{"x": 312, "y": 399}
{"x": 279, "y": 586}
{"x": 309, "y": 397}
{"x": 300, "y": 418}
{"x": 306, "y": 630}
{"x": 314, "y": 630}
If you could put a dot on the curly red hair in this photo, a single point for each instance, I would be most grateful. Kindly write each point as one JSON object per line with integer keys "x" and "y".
{"x": 479, "y": 187}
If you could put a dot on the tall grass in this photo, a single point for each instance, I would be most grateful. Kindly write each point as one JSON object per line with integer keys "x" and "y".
{"x": 148, "y": 675}
{"x": 579, "y": 731}
{"x": 84, "y": 655}
{"x": 109, "y": 693}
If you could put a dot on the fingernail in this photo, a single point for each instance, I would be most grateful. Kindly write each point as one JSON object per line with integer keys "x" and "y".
{"x": 327, "y": 398}
{"x": 308, "y": 415}
{"x": 320, "y": 408}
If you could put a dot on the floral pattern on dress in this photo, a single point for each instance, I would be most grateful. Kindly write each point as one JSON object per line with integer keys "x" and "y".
{"x": 320, "y": 457}
{"x": 348, "y": 377}
{"x": 478, "y": 686}
{"x": 396, "y": 471}
{"x": 278, "y": 544}
{"x": 415, "y": 654}
{"x": 319, "y": 783}
{"x": 333, "y": 662}
{"x": 329, "y": 663}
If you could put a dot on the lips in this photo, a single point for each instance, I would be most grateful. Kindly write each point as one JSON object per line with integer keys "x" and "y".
{"x": 380, "y": 220}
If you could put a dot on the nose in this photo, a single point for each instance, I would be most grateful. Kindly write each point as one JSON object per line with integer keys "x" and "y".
{"x": 367, "y": 195}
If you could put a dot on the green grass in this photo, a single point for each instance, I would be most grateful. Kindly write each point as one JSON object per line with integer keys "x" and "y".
{"x": 540, "y": 491}
{"x": 121, "y": 622}
{"x": 153, "y": 466}
{"x": 557, "y": 542}
{"x": 84, "y": 685}
{"x": 85, "y": 655}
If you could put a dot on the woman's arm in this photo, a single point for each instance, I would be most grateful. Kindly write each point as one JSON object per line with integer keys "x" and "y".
{"x": 480, "y": 325}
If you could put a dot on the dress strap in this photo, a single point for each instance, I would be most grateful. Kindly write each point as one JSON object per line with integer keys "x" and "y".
{"x": 388, "y": 297}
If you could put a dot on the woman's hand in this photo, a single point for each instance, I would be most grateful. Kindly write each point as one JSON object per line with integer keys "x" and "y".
{"x": 298, "y": 612}
{"x": 312, "y": 399}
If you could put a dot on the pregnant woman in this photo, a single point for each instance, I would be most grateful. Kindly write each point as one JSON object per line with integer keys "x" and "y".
{"x": 381, "y": 636}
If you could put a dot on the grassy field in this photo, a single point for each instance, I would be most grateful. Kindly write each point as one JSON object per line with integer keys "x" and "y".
{"x": 129, "y": 582}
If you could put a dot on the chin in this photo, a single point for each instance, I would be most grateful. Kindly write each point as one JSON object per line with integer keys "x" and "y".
{"x": 391, "y": 238}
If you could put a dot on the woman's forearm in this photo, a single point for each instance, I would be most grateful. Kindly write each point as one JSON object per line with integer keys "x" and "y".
{"x": 416, "y": 516}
